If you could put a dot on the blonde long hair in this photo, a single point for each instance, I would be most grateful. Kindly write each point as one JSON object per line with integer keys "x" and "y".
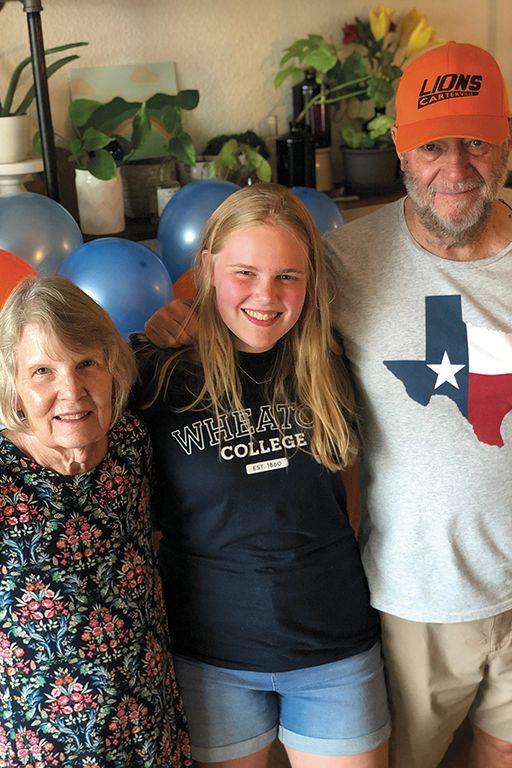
{"x": 308, "y": 368}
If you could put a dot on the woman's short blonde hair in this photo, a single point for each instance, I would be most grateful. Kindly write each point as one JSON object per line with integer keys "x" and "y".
{"x": 63, "y": 312}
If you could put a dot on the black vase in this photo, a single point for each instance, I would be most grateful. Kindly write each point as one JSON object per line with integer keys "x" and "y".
{"x": 296, "y": 158}
{"x": 370, "y": 172}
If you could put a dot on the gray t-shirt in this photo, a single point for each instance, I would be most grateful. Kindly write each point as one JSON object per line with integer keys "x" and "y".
{"x": 430, "y": 344}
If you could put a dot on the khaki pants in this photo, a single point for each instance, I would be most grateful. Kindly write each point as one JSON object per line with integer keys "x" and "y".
{"x": 439, "y": 673}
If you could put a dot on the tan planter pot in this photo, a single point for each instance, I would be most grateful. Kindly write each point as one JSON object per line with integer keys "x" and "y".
{"x": 14, "y": 145}
{"x": 100, "y": 204}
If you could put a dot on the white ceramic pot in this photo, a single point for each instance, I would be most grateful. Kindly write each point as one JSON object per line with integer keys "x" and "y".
{"x": 100, "y": 203}
{"x": 13, "y": 138}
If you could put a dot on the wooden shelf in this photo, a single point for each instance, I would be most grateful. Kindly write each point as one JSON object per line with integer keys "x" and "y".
{"x": 136, "y": 229}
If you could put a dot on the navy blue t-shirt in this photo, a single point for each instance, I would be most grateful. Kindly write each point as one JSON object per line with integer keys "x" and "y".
{"x": 260, "y": 567}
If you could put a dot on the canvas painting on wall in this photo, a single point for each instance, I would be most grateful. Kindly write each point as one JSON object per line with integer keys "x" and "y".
{"x": 133, "y": 82}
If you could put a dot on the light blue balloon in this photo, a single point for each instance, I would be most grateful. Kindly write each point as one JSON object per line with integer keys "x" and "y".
{"x": 323, "y": 209}
{"x": 38, "y": 230}
{"x": 183, "y": 219}
{"x": 126, "y": 278}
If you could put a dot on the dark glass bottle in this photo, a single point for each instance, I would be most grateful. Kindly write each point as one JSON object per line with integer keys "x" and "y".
{"x": 296, "y": 158}
{"x": 318, "y": 117}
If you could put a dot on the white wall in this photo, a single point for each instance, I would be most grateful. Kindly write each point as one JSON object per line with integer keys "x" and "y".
{"x": 227, "y": 49}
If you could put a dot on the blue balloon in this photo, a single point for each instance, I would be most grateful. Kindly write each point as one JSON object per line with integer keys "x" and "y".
{"x": 323, "y": 209}
{"x": 126, "y": 278}
{"x": 38, "y": 230}
{"x": 183, "y": 219}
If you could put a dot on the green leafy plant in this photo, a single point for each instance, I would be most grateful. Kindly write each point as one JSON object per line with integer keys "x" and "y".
{"x": 380, "y": 47}
{"x": 312, "y": 52}
{"x": 237, "y": 161}
{"x": 167, "y": 109}
{"x": 255, "y": 141}
{"x": 96, "y": 147}
{"x": 99, "y": 148}
{"x": 368, "y": 134}
{"x": 7, "y": 104}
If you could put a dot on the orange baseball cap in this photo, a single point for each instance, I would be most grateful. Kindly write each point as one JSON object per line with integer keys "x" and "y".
{"x": 453, "y": 91}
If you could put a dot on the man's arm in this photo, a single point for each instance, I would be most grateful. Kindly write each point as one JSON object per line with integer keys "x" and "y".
{"x": 173, "y": 325}
{"x": 353, "y": 491}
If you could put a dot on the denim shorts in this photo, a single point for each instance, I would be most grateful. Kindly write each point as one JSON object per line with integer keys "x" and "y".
{"x": 331, "y": 709}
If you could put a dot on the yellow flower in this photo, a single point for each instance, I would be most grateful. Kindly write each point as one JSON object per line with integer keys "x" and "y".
{"x": 409, "y": 22}
{"x": 380, "y": 21}
{"x": 422, "y": 36}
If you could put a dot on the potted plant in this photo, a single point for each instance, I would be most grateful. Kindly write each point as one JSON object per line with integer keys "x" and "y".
{"x": 97, "y": 151}
{"x": 361, "y": 86}
{"x": 202, "y": 169}
{"x": 13, "y": 111}
{"x": 167, "y": 109}
{"x": 239, "y": 162}
{"x": 95, "y": 146}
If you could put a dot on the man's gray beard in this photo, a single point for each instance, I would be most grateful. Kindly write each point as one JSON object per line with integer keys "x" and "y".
{"x": 457, "y": 232}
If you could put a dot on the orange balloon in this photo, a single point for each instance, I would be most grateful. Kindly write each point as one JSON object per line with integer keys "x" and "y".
{"x": 12, "y": 269}
{"x": 184, "y": 287}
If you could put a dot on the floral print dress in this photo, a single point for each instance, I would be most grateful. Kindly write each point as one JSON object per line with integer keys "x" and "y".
{"x": 86, "y": 674}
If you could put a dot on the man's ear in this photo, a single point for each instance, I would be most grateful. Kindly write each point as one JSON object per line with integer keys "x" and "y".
{"x": 400, "y": 155}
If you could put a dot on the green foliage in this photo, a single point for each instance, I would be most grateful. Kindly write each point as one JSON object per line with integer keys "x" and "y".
{"x": 216, "y": 143}
{"x": 378, "y": 49}
{"x": 375, "y": 134}
{"x": 237, "y": 160}
{"x": 7, "y": 107}
{"x": 361, "y": 76}
{"x": 97, "y": 148}
{"x": 312, "y": 52}
{"x": 93, "y": 125}
{"x": 168, "y": 109}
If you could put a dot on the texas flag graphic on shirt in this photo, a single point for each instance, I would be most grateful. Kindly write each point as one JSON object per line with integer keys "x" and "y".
{"x": 469, "y": 364}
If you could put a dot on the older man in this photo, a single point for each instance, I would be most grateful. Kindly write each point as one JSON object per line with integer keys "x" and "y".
{"x": 424, "y": 304}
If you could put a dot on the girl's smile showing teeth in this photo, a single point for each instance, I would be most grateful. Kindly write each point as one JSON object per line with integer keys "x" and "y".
{"x": 255, "y": 314}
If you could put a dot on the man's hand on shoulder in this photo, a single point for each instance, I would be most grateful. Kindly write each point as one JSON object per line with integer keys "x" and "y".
{"x": 173, "y": 325}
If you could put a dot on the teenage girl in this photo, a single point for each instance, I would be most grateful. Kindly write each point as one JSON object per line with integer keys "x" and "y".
{"x": 267, "y": 600}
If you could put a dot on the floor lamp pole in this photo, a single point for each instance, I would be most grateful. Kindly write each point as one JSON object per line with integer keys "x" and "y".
{"x": 33, "y": 10}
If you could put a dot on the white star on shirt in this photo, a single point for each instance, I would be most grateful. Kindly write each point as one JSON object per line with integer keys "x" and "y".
{"x": 446, "y": 372}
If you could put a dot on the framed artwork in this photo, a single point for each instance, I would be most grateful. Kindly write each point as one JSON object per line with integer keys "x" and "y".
{"x": 133, "y": 82}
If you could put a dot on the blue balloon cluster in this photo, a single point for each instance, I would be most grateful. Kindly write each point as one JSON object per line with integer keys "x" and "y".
{"x": 322, "y": 208}
{"x": 38, "y": 230}
{"x": 126, "y": 278}
{"x": 183, "y": 219}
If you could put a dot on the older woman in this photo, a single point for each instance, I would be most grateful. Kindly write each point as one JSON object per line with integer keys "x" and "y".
{"x": 86, "y": 675}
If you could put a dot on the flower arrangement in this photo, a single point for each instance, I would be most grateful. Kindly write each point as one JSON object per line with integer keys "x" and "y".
{"x": 379, "y": 49}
